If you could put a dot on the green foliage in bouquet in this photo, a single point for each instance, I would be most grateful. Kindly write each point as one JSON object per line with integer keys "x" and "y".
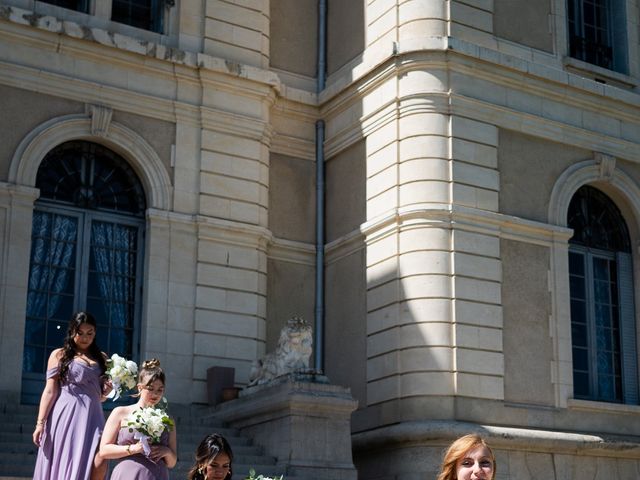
{"x": 253, "y": 476}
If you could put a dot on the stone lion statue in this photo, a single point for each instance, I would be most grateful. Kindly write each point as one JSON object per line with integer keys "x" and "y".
{"x": 291, "y": 355}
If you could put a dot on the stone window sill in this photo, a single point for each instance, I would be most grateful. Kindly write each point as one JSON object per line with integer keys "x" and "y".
{"x": 602, "y": 407}
{"x": 599, "y": 74}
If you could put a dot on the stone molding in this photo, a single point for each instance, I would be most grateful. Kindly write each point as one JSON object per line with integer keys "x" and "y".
{"x": 344, "y": 246}
{"x": 234, "y": 233}
{"x": 599, "y": 169}
{"x": 503, "y": 438}
{"x": 17, "y": 195}
{"x": 463, "y": 218}
{"x": 141, "y": 156}
{"x": 291, "y": 251}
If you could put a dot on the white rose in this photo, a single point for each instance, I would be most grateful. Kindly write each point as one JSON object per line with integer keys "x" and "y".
{"x": 131, "y": 366}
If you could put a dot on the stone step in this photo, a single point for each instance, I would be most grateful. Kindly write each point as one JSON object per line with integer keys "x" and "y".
{"x": 18, "y": 453}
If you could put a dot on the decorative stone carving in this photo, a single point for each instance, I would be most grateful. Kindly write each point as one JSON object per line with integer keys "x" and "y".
{"x": 291, "y": 355}
{"x": 100, "y": 119}
{"x": 607, "y": 165}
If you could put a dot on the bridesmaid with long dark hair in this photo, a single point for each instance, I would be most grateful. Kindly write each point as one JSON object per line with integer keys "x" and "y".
{"x": 70, "y": 419}
{"x": 213, "y": 459}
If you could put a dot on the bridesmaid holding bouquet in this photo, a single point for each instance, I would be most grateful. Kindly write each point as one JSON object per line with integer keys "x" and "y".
{"x": 146, "y": 452}
{"x": 70, "y": 418}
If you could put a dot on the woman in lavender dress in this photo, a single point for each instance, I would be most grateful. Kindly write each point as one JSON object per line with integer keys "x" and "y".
{"x": 70, "y": 418}
{"x": 118, "y": 442}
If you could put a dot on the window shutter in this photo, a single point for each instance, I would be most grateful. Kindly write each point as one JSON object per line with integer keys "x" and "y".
{"x": 627, "y": 329}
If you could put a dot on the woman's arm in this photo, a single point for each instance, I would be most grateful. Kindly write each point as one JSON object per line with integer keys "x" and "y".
{"x": 109, "y": 448}
{"x": 48, "y": 398}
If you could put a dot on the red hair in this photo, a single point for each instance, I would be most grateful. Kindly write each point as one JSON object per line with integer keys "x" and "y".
{"x": 458, "y": 450}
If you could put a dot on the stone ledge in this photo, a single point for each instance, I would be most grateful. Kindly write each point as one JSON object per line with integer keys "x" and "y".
{"x": 504, "y": 438}
{"x": 64, "y": 28}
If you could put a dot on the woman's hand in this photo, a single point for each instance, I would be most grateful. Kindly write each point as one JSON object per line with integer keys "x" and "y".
{"x": 136, "y": 448}
{"x": 158, "y": 452}
{"x": 37, "y": 434}
{"x": 107, "y": 387}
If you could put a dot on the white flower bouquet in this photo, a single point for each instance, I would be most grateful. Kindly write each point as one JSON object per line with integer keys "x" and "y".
{"x": 123, "y": 374}
{"x": 147, "y": 425}
{"x": 253, "y": 476}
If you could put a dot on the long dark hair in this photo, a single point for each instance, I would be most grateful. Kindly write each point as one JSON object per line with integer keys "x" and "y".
{"x": 209, "y": 447}
{"x": 69, "y": 347}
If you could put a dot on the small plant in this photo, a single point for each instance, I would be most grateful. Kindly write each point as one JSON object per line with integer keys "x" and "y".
{"x": 253, "y": 476}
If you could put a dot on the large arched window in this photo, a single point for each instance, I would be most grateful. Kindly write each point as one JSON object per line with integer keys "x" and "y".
{"x": 86, "y": 253}
{"x": 601, "y": 288}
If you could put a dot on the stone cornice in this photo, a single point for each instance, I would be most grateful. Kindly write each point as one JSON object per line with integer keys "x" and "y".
{"x": 546, "y": 83}
{"x": 234, "y": 233}
{"x": 17, "y": 194}
{"x": 501, "y": 438}
{"x": 542, "y": 127}
{"x": 464, "y": 218}
{"x": 171, "y": 66}
{"x": 292, "y": 252}
{"x": 344, "y": 246}
{"x": 294, "y": 146}
{"x": 236, "y": 125}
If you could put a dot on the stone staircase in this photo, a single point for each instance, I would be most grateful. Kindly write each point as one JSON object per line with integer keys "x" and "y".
{"x": 18, "y": 454}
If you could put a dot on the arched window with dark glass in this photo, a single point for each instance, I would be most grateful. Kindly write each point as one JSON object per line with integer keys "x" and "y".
{"x": 603, "y": 333}
{"x": 86, "y": 254}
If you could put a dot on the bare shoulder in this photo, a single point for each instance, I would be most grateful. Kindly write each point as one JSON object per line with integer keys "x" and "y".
{"x": 118, "y": 413}
{"x": 55, "y": 357}
{"x": 56, "y": 354}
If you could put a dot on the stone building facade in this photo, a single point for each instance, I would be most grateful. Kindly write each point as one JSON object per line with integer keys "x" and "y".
{"x": 465, "y": 142}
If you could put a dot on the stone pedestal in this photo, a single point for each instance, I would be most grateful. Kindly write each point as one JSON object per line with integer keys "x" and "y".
{"x": 219, "y": 378}
{"x": 300, "y": 419}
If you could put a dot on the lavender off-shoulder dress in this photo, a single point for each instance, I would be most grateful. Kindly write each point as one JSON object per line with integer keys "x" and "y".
{"x": 74, "y": 425}
{"x": 139, "y": 467}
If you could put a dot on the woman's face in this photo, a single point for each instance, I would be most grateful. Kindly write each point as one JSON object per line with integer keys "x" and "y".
{"x": 151, "y": 394}
{"x": 476, "y": 464}
{"x": 219, "y": 467}
{"x": 85, "y": 334}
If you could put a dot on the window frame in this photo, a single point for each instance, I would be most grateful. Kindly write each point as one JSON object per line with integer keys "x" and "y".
{"x": 599, "y": 171}
{"x": 615, "y": 249}
{"x": 82, "y": 260}
{"x": 617, "y": 32}
{"x": 593, "y": 350}
{"x": 99, "y": 15}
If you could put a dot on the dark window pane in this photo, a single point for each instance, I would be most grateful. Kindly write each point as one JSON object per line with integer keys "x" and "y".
{"x": 78, "y": 5}
{"x": 33, "y": 359}
{"x": 576, "y": 263}
{"x": 576, "y": 286}
{"x": 600, "y": 269}
{"x": 120, "y": 341}
{"x": 61, "y": 307}
{"x": 144, "y": 14}
{"x": 580, "y": 359}
{"x": 606, "y": 388}
{"x": 34, "y": 332}
{"x": 56, "y": 331}
{"x": 579, "y": 334}
{"x": 581, "y": 384}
